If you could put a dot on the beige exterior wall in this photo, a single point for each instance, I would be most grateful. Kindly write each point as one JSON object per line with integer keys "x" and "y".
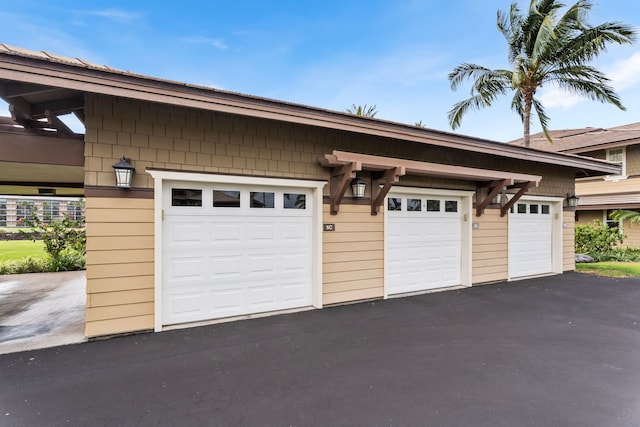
{"x": 353, "y": 255}
{"x": 632, "y": 231}
{"x": 490, "y": 248}
{"x": 120, "y": 291}
{"x": 120, "y": 277}
{"x": 568, "y": 247}
{"x": 601, "y": 186}
{"x": 587, "y": 217}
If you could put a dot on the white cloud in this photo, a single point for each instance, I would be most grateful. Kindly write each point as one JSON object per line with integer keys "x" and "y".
{"x": 117, "y": 15}
{"x": 625, "y": 73}
{"x": 215, "y": 42}
{"x": 556, "y": 97}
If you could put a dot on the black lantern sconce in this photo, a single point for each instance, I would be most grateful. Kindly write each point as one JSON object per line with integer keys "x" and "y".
{"x": 124, "y": 172}
{"x": 572, "y": 200}
{"x": 357, "y": 188}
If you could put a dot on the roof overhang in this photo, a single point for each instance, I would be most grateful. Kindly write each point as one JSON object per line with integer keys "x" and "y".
{"x": 45, "y": 74}
{"x": 33, "y": 162}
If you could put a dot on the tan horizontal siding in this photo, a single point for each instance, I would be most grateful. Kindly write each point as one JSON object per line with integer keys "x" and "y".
{"x": 119, "y": 325}
{"x": 132, "y": 269}
{"x": 353, "y": 246}
{"x": 632, "y": 231}
{"x": 490, "y": 248}
{"x": 568, "y": 247}
{"x": 119, "y": 242}
{"x": 607, "y": 187}
{"x": 348, "y": 276}
{"x": 353, "y": 255}
{"x": 120, "y": 311}
{"x": 122, "y": 256}
{"x": 120, "y": 267}
{"x": 112, "y": 214}
{"x": 119, "y": 229}
{"x": 112, "y": 284}
{"x": 121, "y": 297}
{"x": 354, "y": 295}
{"x": 337, "y": 267}
{"x": 364, "y": 255}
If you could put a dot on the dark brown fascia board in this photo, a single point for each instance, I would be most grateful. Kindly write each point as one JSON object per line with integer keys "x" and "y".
{"x": 110, "y": 82}
{"x": 47, "y": 150}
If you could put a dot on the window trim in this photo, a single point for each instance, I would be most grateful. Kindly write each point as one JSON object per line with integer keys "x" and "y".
{"x": 623, "y": 172}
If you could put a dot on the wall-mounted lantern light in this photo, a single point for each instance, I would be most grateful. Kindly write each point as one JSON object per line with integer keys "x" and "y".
{"x": 572, "y": 200}
{"x": 124, "y": 171}
{"x": 357, "y": 188}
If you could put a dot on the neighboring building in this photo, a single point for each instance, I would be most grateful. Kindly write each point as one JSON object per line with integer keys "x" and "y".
{"x": 242, "y": 205}
{"x": 15, "y": 208}
{"x": 599, "y": 196}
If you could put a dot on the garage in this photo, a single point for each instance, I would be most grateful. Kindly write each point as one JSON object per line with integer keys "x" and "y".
{"x": 425, "y": 241}
{"x": 231, "y": 249}
{"x": 533, "y": 242}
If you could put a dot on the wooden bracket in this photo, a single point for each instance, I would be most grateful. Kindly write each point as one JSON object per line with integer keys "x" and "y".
{"x": 524, "y": 186}
{"x": 386, "y": 179}
{"x": 494, "y": 189}
{"x": 341, "y": 176}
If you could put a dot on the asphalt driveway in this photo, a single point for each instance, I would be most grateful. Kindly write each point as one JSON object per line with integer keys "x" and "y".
{"x": 560, "y": 351}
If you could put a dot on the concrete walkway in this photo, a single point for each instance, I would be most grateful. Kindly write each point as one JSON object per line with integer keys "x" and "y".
{"x": 557, "y": 351}
{"x": 41, "y": 310}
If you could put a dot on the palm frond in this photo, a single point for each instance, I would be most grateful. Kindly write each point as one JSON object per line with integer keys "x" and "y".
{"x": 633, "y": 217}
{"x": 542, "y": 118}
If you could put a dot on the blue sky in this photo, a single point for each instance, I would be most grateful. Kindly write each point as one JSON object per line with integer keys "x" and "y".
{"x": 332, "y": 54}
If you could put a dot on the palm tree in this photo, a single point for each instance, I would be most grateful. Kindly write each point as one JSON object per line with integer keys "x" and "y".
{"x": 633, "y": 217}
{"x": 362, "y": 110}
{"x": 420, "y": 124}
{"x": 545, "y": 47}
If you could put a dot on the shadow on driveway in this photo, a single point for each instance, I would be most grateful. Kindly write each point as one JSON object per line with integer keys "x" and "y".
{"x": 41, "y": 310}
{"x": 557, "y": 351}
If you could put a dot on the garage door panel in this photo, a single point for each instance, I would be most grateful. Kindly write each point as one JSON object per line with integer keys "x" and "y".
{"x": 530, "y": 240}
{"x": 424, "y": 248}
{"x": 228, "y": 266}
{"x": 226, "y": 231}
{"x": 236, "y": 260}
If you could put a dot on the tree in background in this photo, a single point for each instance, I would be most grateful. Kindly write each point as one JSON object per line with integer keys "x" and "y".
{"x": 632, "y": 217}
{"x": 362, "y": 110}
{"x": 546, "y": 46}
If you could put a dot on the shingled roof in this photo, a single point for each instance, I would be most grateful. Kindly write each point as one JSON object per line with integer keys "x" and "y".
{"x": 585, "y": 139}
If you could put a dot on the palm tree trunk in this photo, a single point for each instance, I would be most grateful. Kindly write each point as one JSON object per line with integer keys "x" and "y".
{"x": 526, "y": 117}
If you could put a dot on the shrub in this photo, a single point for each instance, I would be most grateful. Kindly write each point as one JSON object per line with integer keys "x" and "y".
{"x": 56, "y": 234}
{"x": 596, "y": 238}
{"x": 620, "y": 255}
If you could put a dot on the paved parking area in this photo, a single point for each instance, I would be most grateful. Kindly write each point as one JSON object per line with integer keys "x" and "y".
{"x": 559, "y": 351}
{"x": 41, "y": 310}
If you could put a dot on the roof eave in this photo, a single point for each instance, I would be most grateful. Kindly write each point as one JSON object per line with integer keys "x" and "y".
{"x": 103, "y": 80}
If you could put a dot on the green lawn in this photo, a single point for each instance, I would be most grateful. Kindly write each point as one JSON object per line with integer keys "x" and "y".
{"x": 17, "y": 249}
{"x": 611, "y": 269}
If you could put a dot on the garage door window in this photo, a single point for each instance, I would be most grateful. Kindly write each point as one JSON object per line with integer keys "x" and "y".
{"x": 533, "y": 209}
{"x": 433, "y": 205}
{"x": 414, "y": 205}
{"x": 226, "y": 199}
{"x": 262, "y": 199}
{"x": 451, "y": 206}
{"x": 394, "y": 204}
{"x": 294, "y": 201}
{"x": 186, "y": 197}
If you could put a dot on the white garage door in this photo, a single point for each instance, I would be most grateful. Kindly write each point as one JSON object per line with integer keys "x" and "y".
{"x": 530, "y": 239}
{"x": 424, "y": 242}
{"x": 233, "y": 250}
